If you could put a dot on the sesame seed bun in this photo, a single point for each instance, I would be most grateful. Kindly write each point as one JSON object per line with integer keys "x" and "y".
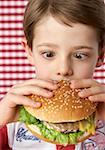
{"x": 64, "y": 106}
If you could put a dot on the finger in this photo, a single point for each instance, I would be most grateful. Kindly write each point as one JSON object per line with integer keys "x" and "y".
{"x": 91, "y": 91}
{"x": 21, "y": 100}
{"x": 38, "y": 82}
{"x": 83, "y": 83}
{"x": 29, "y": 89}
{"x": 97, "y": 98}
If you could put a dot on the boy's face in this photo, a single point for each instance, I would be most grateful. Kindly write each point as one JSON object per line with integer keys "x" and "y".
{"x": 63, "y": 52}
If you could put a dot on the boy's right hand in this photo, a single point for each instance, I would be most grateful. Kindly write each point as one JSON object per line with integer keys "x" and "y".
{"x": 16, "y": 96}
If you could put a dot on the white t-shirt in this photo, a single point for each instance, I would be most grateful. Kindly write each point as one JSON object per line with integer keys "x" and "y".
{"x": 19, "y": 138}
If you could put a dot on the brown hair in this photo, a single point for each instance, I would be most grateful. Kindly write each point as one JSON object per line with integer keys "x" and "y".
{"x": 89, "y": 12}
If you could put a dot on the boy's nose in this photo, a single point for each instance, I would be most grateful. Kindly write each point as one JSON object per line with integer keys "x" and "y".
{"x": 64, "y": 70}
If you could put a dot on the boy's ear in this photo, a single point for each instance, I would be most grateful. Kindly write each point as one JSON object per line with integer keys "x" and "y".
{"x": 28, "y": 51}
{"x": 101, "y": 58}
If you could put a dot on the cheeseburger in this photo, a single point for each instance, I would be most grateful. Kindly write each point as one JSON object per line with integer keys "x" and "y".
{"x": 64, "y": 119}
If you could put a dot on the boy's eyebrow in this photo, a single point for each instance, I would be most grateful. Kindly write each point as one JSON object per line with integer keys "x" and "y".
{"x": 83, "y": 47}
{"x": 47, "y": 44}
{"x": 73, "y": 47}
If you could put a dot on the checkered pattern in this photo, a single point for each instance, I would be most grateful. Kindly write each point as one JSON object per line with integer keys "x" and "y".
{"x": 14, "y": 67}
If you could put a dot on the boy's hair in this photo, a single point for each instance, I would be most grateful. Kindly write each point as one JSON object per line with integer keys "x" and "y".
{"x": 89, "y": 12}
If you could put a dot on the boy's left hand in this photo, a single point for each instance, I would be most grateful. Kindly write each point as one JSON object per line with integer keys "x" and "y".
{"x": 94, "y": 91}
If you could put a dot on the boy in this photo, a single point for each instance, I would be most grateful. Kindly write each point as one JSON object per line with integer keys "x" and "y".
{"x": 63, "y": 40}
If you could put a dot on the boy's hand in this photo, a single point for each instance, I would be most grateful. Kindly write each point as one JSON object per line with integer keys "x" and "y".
{"x": 94, "y": 91}
{"x": 16, "y": 96}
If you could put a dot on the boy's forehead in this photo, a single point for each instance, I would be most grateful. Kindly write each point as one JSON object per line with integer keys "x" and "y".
{"x": 50, "y": 24}
{"x": 51, "y": 29}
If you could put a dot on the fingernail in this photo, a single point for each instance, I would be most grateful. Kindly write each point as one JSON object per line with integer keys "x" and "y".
{"x": 72, "y": 81}
{"x": 37, "y": 104}
{"x": 54, "y": 81}
{"x": 72, "y": 86}
{"x": 81, "y": 94}
{"x": 50, "y": 93}
{"x": 56, "y": 86}
{"x": 90, "y": 98}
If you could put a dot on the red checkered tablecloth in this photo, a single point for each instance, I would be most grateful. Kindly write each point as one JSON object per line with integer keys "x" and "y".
{"x": 14, "y": 67}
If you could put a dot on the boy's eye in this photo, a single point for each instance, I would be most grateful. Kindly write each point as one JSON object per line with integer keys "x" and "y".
{"x": 80, "y": 56}
{"x": 48, "y": 54}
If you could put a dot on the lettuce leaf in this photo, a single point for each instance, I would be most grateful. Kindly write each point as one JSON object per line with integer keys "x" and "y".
{"x": 27, "y": 118}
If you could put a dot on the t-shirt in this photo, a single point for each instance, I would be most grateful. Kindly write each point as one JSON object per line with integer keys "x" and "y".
{"x": 19, "y": 138}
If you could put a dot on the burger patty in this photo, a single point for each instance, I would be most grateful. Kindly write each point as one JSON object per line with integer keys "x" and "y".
{"x": 68, "y": 127}
{"x": 63, "y": 127}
